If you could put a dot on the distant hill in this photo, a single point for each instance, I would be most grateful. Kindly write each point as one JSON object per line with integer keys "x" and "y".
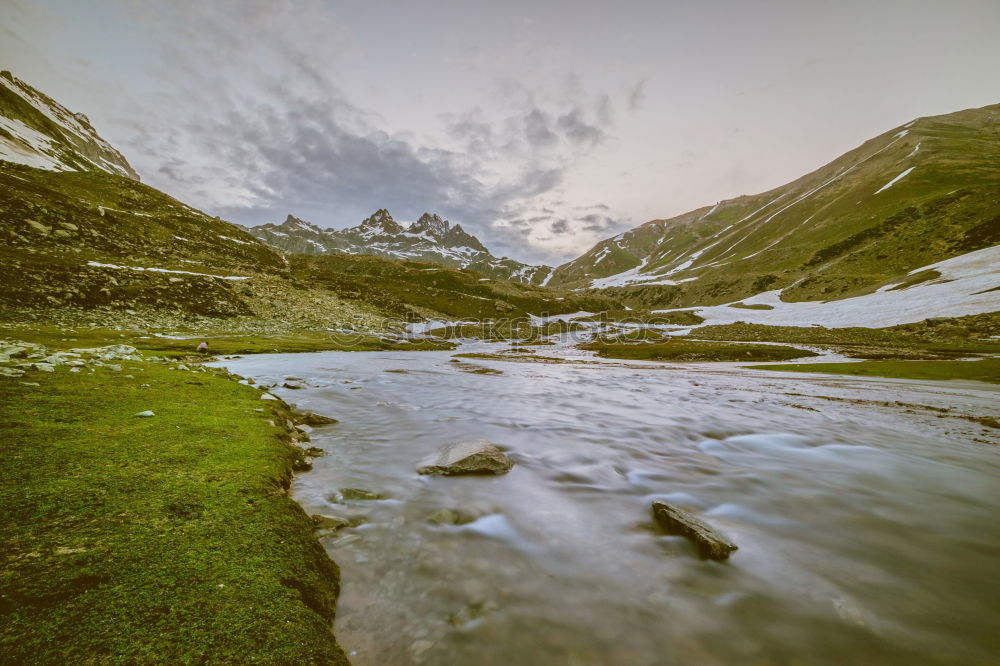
{"x": 915, "y": 195}
{"x": 428, "y": 239}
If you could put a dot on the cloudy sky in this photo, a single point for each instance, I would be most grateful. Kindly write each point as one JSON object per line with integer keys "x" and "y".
{"x": 541, "y": 126}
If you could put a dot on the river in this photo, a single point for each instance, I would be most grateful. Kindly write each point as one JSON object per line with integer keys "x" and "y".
{"x": 868, "y": 533}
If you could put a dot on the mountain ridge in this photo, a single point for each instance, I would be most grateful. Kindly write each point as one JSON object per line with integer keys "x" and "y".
{"x": 37, "y": 131}
{"x": 916, "y": 194}
{"x": 430, "y": 238}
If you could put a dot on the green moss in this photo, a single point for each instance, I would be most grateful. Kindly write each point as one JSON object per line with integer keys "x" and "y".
{"x": 166, "y": 540}
{"x": 679, "y": 349}
{"x": 985, "y": 370}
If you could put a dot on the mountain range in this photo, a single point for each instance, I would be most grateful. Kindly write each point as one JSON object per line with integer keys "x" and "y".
{"x": 428, "y": 239}
{"x": 79, "y": 232}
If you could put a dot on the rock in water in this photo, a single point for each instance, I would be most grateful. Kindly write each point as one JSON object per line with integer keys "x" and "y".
{"x": 312, "y": 418}
{"x": 329, "y": 522}
{"x": 359, "y": 494}
{"x": 476, "y": 456}
{"x": 711, "y": 543}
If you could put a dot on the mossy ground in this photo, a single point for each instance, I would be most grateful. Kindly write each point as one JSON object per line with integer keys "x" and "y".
{"x": 985, "y": 370}
{"x": 167, "y": 540}
{"x": 679, "y": 349}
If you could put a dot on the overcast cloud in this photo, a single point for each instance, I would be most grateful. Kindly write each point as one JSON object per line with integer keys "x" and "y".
{"x": 540, "y": 127}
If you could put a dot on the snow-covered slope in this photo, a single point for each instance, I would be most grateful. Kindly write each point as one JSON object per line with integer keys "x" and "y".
{"x": 913, "y": 196}
{"x": 37, "y": 131}
{"x": 964, "y": 285}
{"x": 430, "y": 238}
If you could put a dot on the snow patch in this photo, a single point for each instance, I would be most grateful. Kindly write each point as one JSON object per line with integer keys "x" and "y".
{"x": 955, "y": 294}
{"x": 164, "y": 270}
{"x": 895, "y": 180}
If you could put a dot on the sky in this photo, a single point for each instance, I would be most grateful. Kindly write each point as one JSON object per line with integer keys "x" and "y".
{"x": 541, "y": 127}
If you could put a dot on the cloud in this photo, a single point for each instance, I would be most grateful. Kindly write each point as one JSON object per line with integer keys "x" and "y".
{"x": 249, "y": 124}
{"x": 601, "y": 224}
{"x": 637, "y": 96}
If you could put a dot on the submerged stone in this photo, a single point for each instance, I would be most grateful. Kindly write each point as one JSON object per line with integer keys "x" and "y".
{"x": 477, "y": 456}
{"x": 711, "y": 544}
{"x": 359, "y": 494}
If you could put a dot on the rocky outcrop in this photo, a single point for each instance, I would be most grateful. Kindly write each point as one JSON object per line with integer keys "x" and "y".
{"x": 477, "y": 456}
{"x": 711, "y": 544}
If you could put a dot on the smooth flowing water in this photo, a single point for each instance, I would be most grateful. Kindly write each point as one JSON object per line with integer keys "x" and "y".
{"x": 868, "y": 533}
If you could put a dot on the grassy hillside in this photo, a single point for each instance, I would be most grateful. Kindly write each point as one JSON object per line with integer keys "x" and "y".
{"x": 836, "y": 232}
{"x": 415, "y": 290}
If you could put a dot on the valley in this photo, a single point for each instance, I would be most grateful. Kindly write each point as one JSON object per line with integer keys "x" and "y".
{"x": 811, "y": 370}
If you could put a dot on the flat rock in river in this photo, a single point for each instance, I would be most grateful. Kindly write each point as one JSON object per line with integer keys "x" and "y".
{"x": 312, "y": 418}
{"x": 476, "y": 456}
{"x": 711, "y": 543}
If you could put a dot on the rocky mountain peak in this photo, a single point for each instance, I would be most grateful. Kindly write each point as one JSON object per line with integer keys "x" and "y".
{"x": 432, "y": 224}
{"x": 381, "y": 220}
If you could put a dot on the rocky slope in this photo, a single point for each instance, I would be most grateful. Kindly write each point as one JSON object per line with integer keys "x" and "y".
{"x": 918, "y": 194}
{"x": 428, "y": 239}
{"x": 38, "y": 131}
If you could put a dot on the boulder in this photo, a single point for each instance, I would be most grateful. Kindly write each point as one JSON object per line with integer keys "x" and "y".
{"x": 359, "y": 494}
{"x": 302, "y": 464}
{"x": 711, "y": 544}
{"x": 312, "y": 418}
{"x": 477, "y": 456}
{"x": 450, "y": 517}
{"x": 145, "y": 414}
{"x": 329, "y": 522}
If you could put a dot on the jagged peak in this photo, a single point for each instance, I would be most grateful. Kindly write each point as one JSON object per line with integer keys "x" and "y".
{"x": 431, "y": 223}
{"x": 381, "y": 219}
{"x": 297, "y": 223}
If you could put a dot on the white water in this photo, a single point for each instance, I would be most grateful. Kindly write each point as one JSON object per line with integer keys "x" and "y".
{"x": 868, "y": 534}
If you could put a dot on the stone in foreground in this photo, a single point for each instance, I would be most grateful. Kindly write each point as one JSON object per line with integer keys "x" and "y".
{"x": 476, "y": 456}
{"x": 711, "y": 544}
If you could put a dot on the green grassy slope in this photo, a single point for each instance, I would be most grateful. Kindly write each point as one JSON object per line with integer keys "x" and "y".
{"x": 411, "y": 289}
{"x": 832, "y": 227}
{"x": 163, "y": 540}
{"x": 984, "y": 370}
